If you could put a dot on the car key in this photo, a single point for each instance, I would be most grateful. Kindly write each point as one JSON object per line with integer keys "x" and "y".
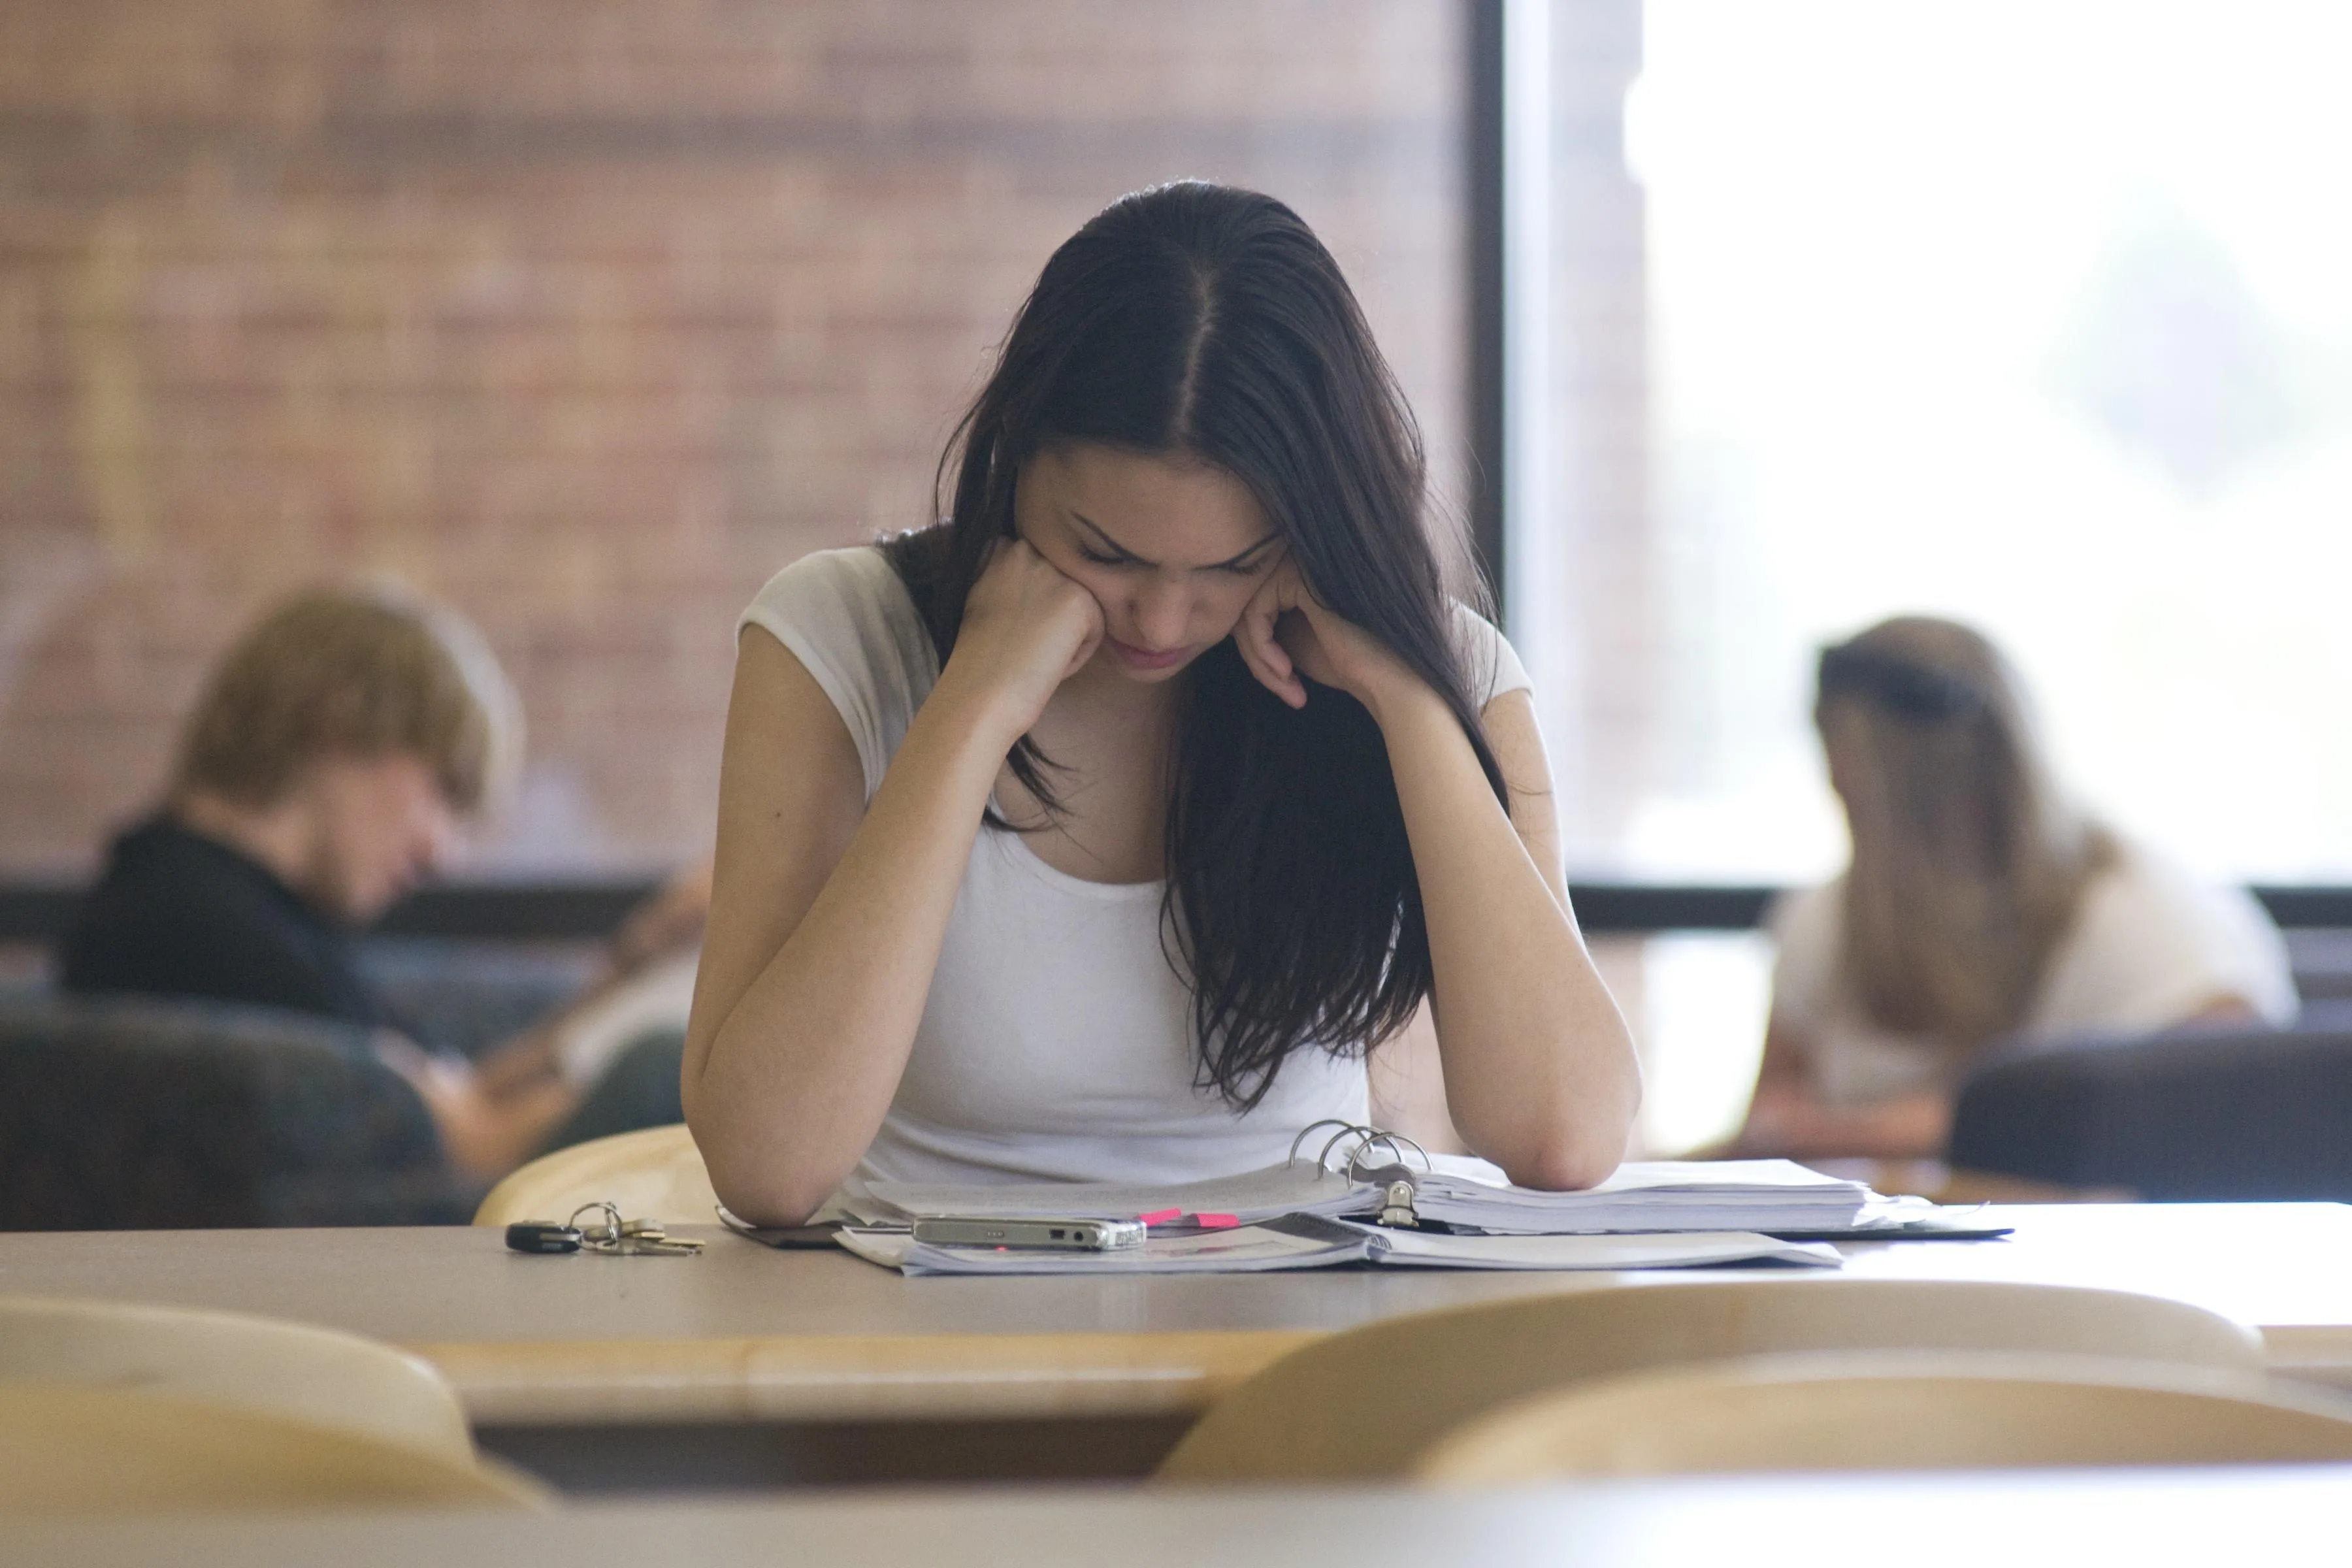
{"x": 542, "y": 1235}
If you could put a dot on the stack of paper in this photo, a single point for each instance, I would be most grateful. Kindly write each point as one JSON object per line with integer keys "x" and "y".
{"x": 1717, "y": 1195}
{"x": 1306, "y": 1242}
{"x": 1721, "y": 1194}
{"x": 1243, "y": 1249}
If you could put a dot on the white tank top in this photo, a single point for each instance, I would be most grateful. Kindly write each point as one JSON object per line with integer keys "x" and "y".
{"x": 1056, "y": 1042}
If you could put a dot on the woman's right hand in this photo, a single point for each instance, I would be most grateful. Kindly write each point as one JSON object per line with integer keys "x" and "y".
{"x": 1027, "y": 629}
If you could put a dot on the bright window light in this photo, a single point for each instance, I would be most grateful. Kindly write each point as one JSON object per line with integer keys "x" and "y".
{"x": 2037, "y": 314}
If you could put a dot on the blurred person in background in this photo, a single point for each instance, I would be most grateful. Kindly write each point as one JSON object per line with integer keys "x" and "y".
{"x": 1979, "y": 905}
{"x": 330, "y": 765}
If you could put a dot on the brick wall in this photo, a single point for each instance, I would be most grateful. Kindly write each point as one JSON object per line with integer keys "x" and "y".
{"x": 586, "y": 315}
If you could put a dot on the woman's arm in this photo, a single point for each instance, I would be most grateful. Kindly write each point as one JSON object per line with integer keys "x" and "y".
{"x": 669, "y": 920}
{"x": 1783, "y": 1083}
{"x": 1539, "y": 1068}
{"x": 827, "y": 913}
{"x": 1787, "y": 1118}
{"x": 1540, "y": 1075}
{"x": 485, "y": 1131}
{"x": 1793, "y": 1124}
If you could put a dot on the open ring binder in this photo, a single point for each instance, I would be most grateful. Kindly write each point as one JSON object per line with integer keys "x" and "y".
{"x": 1367, "y": 1138}
{"x": 1394, "y": 1178}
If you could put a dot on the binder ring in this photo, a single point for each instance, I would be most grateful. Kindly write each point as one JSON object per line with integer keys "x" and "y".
{"x": 1367, "y": 1139}
{"x": 1397, "y": 1144}
{"x": 1344, "y": 1125}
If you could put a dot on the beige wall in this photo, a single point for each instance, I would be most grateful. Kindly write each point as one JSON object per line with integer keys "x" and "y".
{"x": 586, "y": 314}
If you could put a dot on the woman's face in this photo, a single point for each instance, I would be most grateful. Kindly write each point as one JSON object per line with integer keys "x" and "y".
{"x": 1170, "y": 548}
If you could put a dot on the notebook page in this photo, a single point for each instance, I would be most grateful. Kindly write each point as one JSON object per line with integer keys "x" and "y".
{"x": 1691, "y": 1249}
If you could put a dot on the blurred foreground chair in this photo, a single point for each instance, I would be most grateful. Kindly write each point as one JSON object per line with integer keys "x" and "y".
{"x": 1891, "y": 1412}
{"x": 137, "y": 1113}
{"x": 294, "y": 1371}
{"x": 656, "y": 1174}
{"x": 1362, "y": 1404}
{"x": 105, "y": 1452}
{"x": 2253, "y": 1115}
{"x": 112, "y": 1406}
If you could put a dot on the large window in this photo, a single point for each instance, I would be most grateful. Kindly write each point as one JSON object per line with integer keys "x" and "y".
{"x": 2036, "y": 314}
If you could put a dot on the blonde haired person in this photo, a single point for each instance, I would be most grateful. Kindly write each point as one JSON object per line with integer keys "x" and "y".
{"x": 329, "y": 765}
{"x": 1979, "y": 905}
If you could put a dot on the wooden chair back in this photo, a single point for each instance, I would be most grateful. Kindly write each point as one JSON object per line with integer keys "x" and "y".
{"x": 656, "y": 1174}
{"x": 1879, "y": 1412}
{"x": 294, "y": 1371}
{"x": 112, "y": 1452}
{"x": 1361, "y": 1403}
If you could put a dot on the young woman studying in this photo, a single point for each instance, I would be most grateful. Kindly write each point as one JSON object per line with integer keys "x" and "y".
{"x": 1981, "y": 905}
{"x": 1102, "y": 830}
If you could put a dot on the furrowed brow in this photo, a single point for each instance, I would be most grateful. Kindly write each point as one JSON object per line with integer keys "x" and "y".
{"x": 1235, "y": 562}
{"x": 1107, "y": 542}
{"x": 1242, "y": 560}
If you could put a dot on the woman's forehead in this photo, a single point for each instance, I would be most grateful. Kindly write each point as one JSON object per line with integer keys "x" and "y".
{"x": 1170, "y": 509}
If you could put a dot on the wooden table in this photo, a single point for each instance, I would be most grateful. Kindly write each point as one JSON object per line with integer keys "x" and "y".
{"x": 2071, "y": 1518}
{"x": 745, "y": 1333}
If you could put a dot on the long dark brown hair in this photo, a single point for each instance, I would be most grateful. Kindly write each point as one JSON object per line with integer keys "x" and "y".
{"x": 1199, "y": 321}
{"x": 1968, "y": 862}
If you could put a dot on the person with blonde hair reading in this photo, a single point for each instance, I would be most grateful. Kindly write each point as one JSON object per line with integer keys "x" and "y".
{"x": 328, "y": 766}
{"x": 1981, "y": 905}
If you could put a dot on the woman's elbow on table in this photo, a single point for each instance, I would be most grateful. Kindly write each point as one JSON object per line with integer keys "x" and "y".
{"x": 1573, "y": 1149}
{"x": 1565, "y": 1165}
{"x": 767, "y": 1197}
{"x": 1574, "y": 1140}
{"x": 752, "y": 1169}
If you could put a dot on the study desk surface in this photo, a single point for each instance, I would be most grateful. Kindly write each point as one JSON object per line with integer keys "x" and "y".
{"x": 746, "y": 1332}
{"x": 2260, "y": 1514}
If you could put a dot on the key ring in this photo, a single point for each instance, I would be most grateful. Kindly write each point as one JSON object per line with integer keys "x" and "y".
{"x": 618, "y": 1237}
{"x": 609, "y": 1234}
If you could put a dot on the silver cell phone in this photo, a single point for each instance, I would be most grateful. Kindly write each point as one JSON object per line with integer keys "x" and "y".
{"x": 1068, "y": 1235}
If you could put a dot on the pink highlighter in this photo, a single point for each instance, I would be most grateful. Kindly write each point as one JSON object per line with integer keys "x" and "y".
{"x": 1200, "y": 1221}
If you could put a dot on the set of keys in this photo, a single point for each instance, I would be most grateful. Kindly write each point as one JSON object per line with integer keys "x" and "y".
{"x": 608, "y": 1233}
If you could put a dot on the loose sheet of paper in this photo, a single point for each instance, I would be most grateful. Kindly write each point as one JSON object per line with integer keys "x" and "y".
{"x": 1689, "y": 1249}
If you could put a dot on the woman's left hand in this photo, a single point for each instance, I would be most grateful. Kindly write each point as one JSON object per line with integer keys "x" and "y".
{"x": 1287, "y": 632}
